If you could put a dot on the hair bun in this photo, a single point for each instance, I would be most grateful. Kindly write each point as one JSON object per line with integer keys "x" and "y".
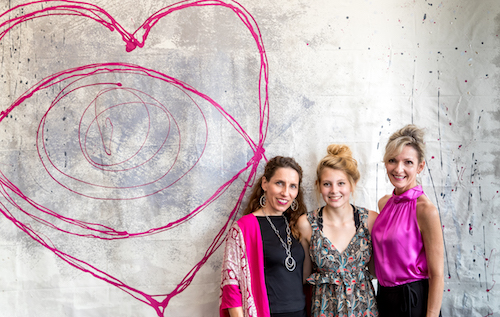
{"x": 339, "y": 150}
{"x": 340, "y": 158}
{"x": 414, "y": 132}
{"x": 409, "y": 135}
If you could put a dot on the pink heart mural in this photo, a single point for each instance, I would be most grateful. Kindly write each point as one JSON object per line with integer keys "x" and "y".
{"x": 112, "y": 94}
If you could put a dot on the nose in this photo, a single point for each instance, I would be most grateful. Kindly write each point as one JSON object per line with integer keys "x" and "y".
{"x": 285, "y": 191}
{"x": 399, "y": 166}
{"x": 333, "y": 188}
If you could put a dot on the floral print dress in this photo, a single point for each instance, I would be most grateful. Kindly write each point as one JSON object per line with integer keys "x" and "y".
{"x": 341, "y": 282}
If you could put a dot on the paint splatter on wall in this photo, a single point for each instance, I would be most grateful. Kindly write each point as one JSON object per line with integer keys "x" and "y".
{"x": 129, "y": 136}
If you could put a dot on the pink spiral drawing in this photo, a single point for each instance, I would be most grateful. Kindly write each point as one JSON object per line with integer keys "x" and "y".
{"x": 115, "y": 104}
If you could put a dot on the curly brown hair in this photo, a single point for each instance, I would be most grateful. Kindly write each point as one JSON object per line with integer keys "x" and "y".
{"x": 269, "y": 170}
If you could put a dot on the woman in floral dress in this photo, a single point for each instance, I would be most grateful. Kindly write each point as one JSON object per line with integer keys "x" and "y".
{"x": 338, "y": 235}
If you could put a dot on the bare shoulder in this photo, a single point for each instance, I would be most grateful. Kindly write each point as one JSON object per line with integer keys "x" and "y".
{"x": 382, "y": 201}
{"x": 425, "y": 208}
{"x": 372, "y": 215}
{"x": 305, "y": 231}
{"x": 428, "y": 217}
{"x": 303, "y": 222}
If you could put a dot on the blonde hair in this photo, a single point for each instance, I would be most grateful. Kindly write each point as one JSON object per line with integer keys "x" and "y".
{"x": 408, "y": 135}
{"x": 340, "y": 158}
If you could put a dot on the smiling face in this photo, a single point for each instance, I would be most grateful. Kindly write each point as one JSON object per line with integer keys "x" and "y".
{"x": 280, "y": 190}
{"x": 403, "y": 169}
{"x": 335, "y": 188}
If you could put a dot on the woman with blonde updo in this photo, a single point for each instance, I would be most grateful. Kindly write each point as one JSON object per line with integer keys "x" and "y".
{"x": 407, "y": 237}
{"x": 339, "y": 240}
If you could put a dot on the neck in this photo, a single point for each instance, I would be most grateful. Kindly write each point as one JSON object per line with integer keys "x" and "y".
{"x": 400, "y": 191}
{"x": 271, "y": 212}
{"x": 341, "y": 214}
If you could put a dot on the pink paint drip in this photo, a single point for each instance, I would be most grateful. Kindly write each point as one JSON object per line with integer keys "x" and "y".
{"x": 461, "y": 174}
{"x": 75, "y": 76}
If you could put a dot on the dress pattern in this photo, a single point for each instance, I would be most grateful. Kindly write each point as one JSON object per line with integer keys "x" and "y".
{"x": 341, "y": 282}
{"x": 236, "y": 271}
{"x": 242, "y": 274}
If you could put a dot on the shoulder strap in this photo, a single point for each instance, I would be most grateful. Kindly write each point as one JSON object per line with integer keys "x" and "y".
{"x": 357, "y": 217}
{"x": 312, "y": 217}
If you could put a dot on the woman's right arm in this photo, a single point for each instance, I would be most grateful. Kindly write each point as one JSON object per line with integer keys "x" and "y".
{"x": 231, "y": 297}
{"x": 382, "y": 202}
{"x": 372, "y": 216}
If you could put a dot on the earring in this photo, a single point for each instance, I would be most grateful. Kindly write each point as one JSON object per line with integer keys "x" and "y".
{"x": 262, "y": 201}
{"x": 295, "y": 205}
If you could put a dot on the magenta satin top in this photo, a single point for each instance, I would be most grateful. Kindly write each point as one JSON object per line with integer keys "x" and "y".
{"x": 398, "y": 247}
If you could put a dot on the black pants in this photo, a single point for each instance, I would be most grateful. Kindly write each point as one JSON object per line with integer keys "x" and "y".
{"x": 403, "y": 300}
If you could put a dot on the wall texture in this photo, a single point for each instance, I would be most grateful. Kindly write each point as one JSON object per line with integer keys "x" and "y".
{"x": 130, "y": 134}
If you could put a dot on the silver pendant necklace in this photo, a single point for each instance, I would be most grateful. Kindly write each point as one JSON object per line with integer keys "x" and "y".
{"x": 289, "y": 260}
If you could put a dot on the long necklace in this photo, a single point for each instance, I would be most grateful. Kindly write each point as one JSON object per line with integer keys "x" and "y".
{"x": 289, "y": 260}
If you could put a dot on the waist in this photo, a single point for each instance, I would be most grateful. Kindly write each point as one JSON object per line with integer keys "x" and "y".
{"x": 339, "y": 277}
{"x": 419, "y": 284}
{"x": 391, "y": 277}
{"x": 396, "y": 269}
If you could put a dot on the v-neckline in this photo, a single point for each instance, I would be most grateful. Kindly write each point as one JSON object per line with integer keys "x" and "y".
{"x": 330, "y": 244}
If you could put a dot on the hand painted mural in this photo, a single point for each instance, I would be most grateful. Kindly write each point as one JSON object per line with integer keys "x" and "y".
{"x": 130, "y": 133}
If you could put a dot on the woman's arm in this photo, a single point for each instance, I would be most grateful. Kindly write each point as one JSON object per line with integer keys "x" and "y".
{"x": 430, "y": 227}
{"x": 231, "y": 297}
{"x": 305, "y": 231}
{"x": 372, "y": 216}
{"x": 382, "y": 202}
{"x": 235, "y": 312}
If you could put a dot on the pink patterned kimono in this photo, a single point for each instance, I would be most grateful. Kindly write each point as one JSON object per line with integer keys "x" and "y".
{"x": 243, "y": 283}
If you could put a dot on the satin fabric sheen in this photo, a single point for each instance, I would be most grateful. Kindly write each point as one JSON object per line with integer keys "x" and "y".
{"x": 398, "y": 246}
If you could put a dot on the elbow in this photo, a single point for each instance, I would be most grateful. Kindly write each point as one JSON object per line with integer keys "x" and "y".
{"x": 436, "y": 276}
{"x": 436, "y": 273}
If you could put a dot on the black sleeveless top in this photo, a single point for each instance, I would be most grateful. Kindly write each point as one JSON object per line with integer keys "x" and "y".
{"x": 284, "y": 288}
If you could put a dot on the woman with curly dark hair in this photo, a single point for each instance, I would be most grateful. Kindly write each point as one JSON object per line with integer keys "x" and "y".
{"x": 263, "y": 268}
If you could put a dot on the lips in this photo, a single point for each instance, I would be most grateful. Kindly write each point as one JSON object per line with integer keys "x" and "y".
{"x": 399, "y": 178}
{"x": 335, "y": 197}
{"x": 282, "y": 201}
{"x": 123, "y": 130}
